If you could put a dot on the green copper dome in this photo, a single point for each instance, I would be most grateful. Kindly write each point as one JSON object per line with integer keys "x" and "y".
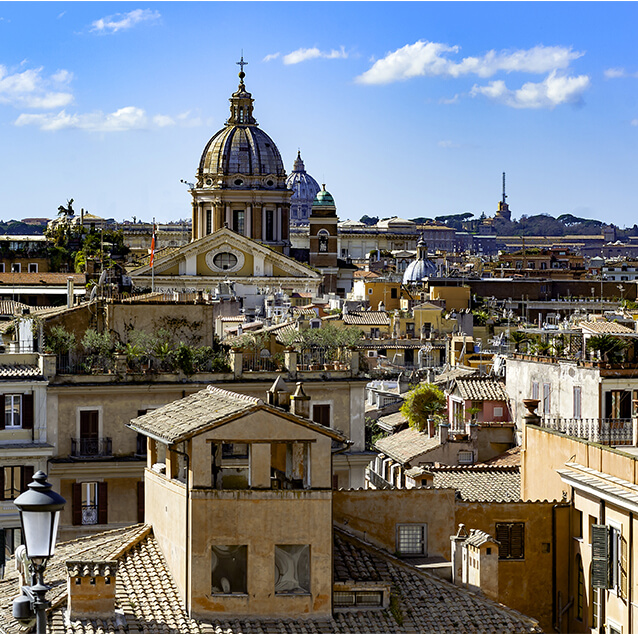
{"x": 323, "y": 198}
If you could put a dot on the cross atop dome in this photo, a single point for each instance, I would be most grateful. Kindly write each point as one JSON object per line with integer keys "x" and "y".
{"x": 241, "y": 63}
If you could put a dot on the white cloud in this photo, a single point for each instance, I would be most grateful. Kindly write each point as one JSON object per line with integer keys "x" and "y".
{"x": 434, "y": 59}
{"x": 450, "y": 100}
{"x": 270, "y": 57}
{"x": 553, "y": 91}
{"x": 449, "y": 144}
{"x": 29, "y": 89}
{"x": 123, "y": 21}
{"x": 128, "y": 118}
{"x": 304, "y": 54}
{"x": 634, "y": 122}
{"x": 618, "y": 73}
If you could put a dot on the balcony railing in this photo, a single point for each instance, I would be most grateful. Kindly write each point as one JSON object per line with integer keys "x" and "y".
{"x": 604, "y": 431}
{"x": 91, "y": 447}
{"x": 89, "y": 514}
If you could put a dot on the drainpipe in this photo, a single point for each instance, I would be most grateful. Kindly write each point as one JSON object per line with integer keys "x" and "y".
{"x": 556, "y": 618}
{"x": 187, "y": 541}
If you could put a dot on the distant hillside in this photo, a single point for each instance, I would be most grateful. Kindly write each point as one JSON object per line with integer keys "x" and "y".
{"x": 19, "y": 228}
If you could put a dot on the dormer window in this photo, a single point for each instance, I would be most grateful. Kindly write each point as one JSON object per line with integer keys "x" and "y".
{"x": 230, "y": 465}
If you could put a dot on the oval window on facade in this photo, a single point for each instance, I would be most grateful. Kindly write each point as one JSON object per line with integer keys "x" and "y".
{"x": 225, "y": 261}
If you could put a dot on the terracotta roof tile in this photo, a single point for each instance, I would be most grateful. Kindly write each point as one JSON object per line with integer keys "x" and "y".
{"x": 481, "y": 388}
{"x": 606, "y": 327}
{"x": 148, "y": 602}
{"x": 511, "y": 457}
{"x": 480, "y": 483}
{"x": 366, "y": 318}
{"x": 406, "y": 445}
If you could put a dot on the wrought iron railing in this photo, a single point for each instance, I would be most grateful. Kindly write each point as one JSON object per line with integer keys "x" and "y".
{"x": 91, "y": 447}
{"x": 605, "y": 431}
{"x": 317, "y": 358}
{"x": 255, "y": 362}
{"x": 85, "y": 364}
{"x": 89, "y": 514}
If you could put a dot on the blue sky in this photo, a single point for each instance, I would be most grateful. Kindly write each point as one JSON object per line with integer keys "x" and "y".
{"x": 408, "y": 109}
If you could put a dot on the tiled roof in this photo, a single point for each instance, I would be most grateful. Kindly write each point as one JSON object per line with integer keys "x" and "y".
{"x": 366, "y": 318}
{"x": 511, "y": 457}
{"x": 447, "y": 376}
{"x": 392, "y": 421}
{"x": 481, "y": 388}
{"x": 10, "y": 307}
{"x": 41, "y": 279}
{"x": 406, "y": 445}
{"x": 365, "y": 275}
{"x": 187, "y": 416}
{"x": 607, "y": 327}
{"x": 19, "y": 371}
{"x": 205, "y": 409}
{"x": 480, "y": 483}
{"x": 148, "y": 602}
{"x": 478, "y": 538}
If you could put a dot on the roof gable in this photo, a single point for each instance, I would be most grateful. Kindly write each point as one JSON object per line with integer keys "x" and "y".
{"x": 208, "y": 409}
{"x": 226, "y": 237}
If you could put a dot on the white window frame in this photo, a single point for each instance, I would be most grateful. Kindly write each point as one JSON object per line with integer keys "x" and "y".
{"x": 424, "y": 540}
{"x": 100, "y": 418}
{"x": 1, "y": 267}
{"x": 498, "y": 411}
{"x": 34, "y": 264}
{"x": 547, "y": 398}
{"x": 11, "y": 398}
{"x": 18, "y": 267}
{"x": 535, "y": 390}
{"x": 613, "y": 627}
{"x": 614, "y": 554}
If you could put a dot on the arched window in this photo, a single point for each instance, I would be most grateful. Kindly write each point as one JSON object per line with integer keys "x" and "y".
{"x": 323, "y": 241}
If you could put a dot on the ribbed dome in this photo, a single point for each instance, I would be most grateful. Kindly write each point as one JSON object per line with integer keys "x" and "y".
{"x": 241, "y": 148}
{"x": 324, "y": 199}
{"x": 244, "y": 150}
{"x": 304, "y": 188}
{"x": 422, "y": 267}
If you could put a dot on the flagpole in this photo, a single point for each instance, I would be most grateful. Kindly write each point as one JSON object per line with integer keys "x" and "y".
{"x": 153, "y": 259}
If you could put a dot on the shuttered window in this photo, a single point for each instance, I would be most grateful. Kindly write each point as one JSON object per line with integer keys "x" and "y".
{"x": 600, "y": 538}
{"x": 511, "y": 537}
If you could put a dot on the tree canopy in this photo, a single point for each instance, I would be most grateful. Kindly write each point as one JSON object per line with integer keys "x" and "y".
{"x": 423, "y": 402}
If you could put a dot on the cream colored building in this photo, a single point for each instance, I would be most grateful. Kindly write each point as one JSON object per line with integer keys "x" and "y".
{"x": 262, "y": 478}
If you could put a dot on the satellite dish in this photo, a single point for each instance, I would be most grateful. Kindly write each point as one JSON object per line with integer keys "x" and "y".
{"x": 102, "y": 278}
{"x": 93, "y": 293}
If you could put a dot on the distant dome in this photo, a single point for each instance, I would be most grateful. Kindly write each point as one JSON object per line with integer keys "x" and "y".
{"x": 239, "y": 149}
{"x": 422, "y": 267}
{"x": 304, "y": 188}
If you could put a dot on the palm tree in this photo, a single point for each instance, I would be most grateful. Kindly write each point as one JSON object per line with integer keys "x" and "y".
{"x": 519, "y": 337}
{"x": 609, "y": 347}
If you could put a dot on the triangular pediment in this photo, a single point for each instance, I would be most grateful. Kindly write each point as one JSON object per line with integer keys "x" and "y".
{"x": 243, "y": 250}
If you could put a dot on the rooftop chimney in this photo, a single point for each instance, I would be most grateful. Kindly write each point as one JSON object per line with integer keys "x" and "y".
{"x": 91, "y": 589}
{"x": 300, "y": 402}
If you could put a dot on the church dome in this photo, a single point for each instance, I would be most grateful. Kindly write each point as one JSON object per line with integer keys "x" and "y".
{"x": 422, "y": 267}
{"x": 304, "y": 188}
{"x": 324, "y": 204}
{"x": 241, "y": 155}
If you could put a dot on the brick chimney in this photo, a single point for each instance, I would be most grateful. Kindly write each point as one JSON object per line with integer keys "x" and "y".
{"x": 300, "y": 402}
{"x": 91, "y": 589}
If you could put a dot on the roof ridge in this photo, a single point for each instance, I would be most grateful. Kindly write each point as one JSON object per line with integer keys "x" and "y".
{"x": 235, "y": 395}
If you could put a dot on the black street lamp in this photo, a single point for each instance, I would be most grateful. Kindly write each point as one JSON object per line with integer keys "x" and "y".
{"x": 39, "y": 509}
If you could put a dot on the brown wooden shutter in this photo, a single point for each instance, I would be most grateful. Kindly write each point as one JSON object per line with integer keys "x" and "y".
{"x": 102, "y": 503}
{"x": 27, "y": 476}
{"x": 77, "y": 504}
{"x": 600, "y": 536}
{"x": 140, "y": 501}
{"x": 622, "y": 586}
{"x": 27, "y": 411}
{"x": 503, "y": 537}
{"x": 517, "y": 541}
{"x": 1, "y": 411}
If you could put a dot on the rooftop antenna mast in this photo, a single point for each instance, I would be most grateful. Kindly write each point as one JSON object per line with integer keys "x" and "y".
{"x": 504, "y": 194}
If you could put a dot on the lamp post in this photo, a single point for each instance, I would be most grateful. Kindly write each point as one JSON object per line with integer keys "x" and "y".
{"x": 39, "y": 509}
